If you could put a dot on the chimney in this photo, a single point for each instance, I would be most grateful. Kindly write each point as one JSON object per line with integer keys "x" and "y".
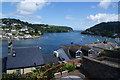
{"x": 105, "y": 42}
{"x": 10, "y": 48}
{"x": 56, "y": 53}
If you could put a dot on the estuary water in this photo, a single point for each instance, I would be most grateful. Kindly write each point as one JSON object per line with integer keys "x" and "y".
{"x": 52, "y": 41}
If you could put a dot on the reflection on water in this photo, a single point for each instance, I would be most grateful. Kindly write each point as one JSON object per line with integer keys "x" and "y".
{"x": 53, "y": 41}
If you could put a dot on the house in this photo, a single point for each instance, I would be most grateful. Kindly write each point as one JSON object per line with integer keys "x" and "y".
{"x": 27, "y": 36}
{"x": 15, "y": 24}
{"x": 104, "y": 45}
{"x": 1, "y": 24}
{"x": 39, "y": 32}
{"x": 0, "y": 36}
{"x": 13, "y": 31}
{"x": 27, "y": 31}
{"x": 91, "y": 50}
{"x": 1, "y": 29}
{"x": 24, "y": 29}
{"x": 85, "y": 50}
{"x": 61, "y": 54}
{"x": 20, "y": 37}
{"x": 69, "y": 53}
{"x": 8, "y": 34}
{"x": 75, "y": 51}
{"x": 24, "y": 60}
{"x": 6, "y": 29}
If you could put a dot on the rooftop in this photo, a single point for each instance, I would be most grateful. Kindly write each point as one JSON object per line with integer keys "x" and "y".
{"x": 107, "y": 46}
{"x": 29, "y": 57}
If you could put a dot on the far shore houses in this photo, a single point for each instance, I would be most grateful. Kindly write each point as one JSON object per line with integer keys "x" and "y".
{"x": 15, "y": 33}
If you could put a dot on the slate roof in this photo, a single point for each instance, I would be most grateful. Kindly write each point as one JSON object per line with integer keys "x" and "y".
{"x": 85, "y": 48}
{"x": 63, "y": 54}
{"x": 3, "y": 61}
{"x": 73, "y": 49}
{"x": 108, "y": 45}
{"x": 27, "y": 57}
{"x": 66, "y": 50}
{"x": 50, "y": 58}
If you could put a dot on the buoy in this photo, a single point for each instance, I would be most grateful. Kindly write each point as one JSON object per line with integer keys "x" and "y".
{"x": 71, "y": 42}
{"x": 40, "y": 48}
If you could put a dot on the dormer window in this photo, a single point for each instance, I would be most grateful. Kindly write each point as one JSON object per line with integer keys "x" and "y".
{"x": 78, "y": 54}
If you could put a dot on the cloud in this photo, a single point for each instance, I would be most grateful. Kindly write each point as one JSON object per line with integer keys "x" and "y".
{"x": 30, "y": 6}
{"x": 38, "y": 17}
{"x": 102, "y": 17}
{"x": 104, "y": 4}
{"x": 69, "y": 17}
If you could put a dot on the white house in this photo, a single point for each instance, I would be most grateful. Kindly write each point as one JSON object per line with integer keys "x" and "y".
{"x": 1, "y": 24}
{"x": 20, "y": 36}
{"x": 27, "y": 36}
{"x": 24, "y": 29}
{"x": 8, "y": 34}
{"x": 0, "y": 36}
{"x": 6, "y": 29}
{"x": 13, "y": 31}
{"x": 27, "y": 31}
{"x": 1, "y": 29}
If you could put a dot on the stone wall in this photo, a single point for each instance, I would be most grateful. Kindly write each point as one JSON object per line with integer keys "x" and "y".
{"x": 99, "y": 70}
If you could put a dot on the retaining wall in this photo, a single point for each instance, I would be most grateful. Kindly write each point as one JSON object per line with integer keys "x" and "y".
{"x": 100, "y": 70}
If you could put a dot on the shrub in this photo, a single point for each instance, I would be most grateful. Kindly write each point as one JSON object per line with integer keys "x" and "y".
{"x": 12, "y": 76}
{"x": 70, "y": 67}
{"x": 114, "y": 53}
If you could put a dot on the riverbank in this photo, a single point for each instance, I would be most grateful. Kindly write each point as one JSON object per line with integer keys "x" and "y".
{"x": 99, "y": 35}
{"x": 33, "y": 37}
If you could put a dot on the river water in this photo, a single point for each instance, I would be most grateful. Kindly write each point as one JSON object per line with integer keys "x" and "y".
{"x": 52, "y": 41}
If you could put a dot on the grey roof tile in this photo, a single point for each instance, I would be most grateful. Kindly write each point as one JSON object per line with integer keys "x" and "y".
{"x": 28, "y": 57}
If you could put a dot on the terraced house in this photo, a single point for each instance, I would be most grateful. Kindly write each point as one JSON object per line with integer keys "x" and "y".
{"x": 26, "y": 59}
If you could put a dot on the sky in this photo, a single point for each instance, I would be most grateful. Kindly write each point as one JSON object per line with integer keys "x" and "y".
{"x": 78, "y": 15}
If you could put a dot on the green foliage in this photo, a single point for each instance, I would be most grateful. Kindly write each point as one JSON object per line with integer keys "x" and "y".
{"x": 39, "y": 70}
{"x": 12, "y": 76}
{"x": 14, "y": 34}
{"x": 114, "y": 53}
{"x": 69, "y": 67}
{"x": 21, "y": 34}
{"x": 44, "y": 28}
{"x": 31, "y": 76}
{"x": 104, "y": 29}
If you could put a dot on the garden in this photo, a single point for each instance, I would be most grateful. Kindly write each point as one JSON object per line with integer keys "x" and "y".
{"x": 38, "y": 71}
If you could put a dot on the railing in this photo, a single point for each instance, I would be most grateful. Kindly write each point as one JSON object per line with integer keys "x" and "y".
{"x": 57, "y": 66}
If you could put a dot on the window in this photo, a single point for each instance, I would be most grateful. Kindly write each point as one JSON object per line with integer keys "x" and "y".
{"x": 78, "y": 54}
{"x": 18, "y": 71}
